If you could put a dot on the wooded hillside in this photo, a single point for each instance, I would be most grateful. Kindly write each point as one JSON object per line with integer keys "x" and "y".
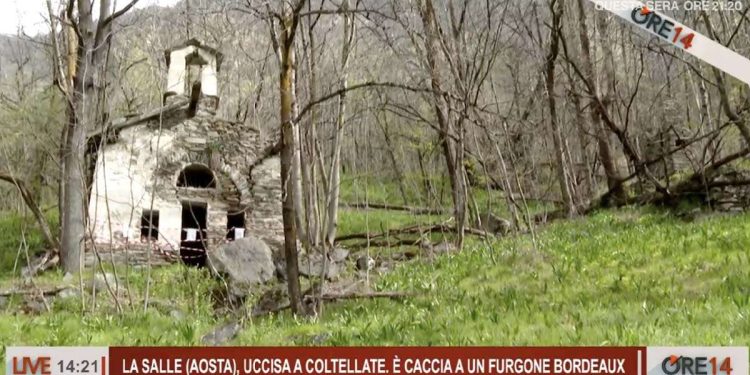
{"x": 456, "y": 121}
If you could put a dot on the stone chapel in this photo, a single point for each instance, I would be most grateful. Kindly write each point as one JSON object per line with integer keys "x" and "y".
{"x": 178, "y": 181}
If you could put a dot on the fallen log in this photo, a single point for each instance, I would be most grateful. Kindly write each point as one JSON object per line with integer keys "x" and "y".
{"x": 700, "y": 181}
{"x": 335, "y": 297}
{"x": 370, "y": 295}
{"x": 27, "y": 292}
{"x": 605, "y": 200}
{"x": 259, "y": 313}
{"x": 723, "y": 184}
{"x": 391, "y": 207}
{"x": 412, "y": 229}
{"x": 697, "y": 182}
{"x": 49, "y": 259}
{"x": 383, "y": 243}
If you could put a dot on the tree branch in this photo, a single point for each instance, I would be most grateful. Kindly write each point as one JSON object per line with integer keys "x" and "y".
{"x": 28, "y": 198}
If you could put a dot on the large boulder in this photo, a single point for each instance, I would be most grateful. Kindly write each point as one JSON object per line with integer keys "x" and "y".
{"x": 311, "y": 265}
{"x": 339, "y": 255}
{"x": 245, "y": 262}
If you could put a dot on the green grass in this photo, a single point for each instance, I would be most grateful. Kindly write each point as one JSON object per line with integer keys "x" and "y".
{"x": 619, "y": 278}
{"x": 623, "y": 277}
{"x": 362, "y": 189}
{"x": 358, "y": 188}
{"x": 180, "y": 309}
{"x": 357, "y": 221}
{"x": 17, "y": 234}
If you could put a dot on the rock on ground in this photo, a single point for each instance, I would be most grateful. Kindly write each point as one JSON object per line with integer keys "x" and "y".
{"x": 245, "y": 262}
{"x": 495, "y": 224}
{"x": 311, "y": 265}
{"x": 34, "y": 306}
{"x": 177, "y": 314}
{"x": 99, "y": 282}
{"x": 339, "y": 254}
{"x": 365, "y": 263}
{"x": 425, "y": 244}
{"x": 444, "y": 248}
{"x": 275, "y": 299}
{"x": 222, "y": 334}
{"x": 68, "y": 293}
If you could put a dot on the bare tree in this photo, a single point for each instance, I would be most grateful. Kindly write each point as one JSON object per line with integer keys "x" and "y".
{"x": 334, "y": 175}
{"x": 284, "y": 44}
{"x": 451, "y": 139}
{"x": 556, "y": 8}
{"x": 89, "y": 38}
{"x": 605, "y": 151}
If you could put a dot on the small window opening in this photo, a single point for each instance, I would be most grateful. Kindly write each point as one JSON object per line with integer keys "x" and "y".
{"x": 197, "y": 176}
{"x": 150, "y": 225}
{"x": 235, "y": 225}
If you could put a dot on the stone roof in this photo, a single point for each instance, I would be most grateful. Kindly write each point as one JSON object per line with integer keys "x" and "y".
{"x": 165, "y": 112}
{"x": 126, "y": 122}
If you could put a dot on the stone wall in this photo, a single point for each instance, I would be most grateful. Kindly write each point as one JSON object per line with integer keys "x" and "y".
{"x": 265, "y": 219}
{"x": 140, "y": 170}
{"x": 135, "y": 254}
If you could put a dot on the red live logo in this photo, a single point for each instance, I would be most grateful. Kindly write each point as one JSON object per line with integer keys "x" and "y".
{"x": 30, "y": 365}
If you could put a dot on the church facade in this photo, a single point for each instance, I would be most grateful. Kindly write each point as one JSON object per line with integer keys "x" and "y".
{"x": 178, "y": 181}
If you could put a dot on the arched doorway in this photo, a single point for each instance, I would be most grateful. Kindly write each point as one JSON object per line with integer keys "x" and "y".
{"x": 194, "y": 231}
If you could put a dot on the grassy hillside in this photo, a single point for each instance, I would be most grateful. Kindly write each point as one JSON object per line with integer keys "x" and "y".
{"x": 625, "y": 277}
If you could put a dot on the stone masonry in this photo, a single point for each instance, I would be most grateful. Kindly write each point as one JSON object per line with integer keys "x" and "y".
{"x": 140, "y": 171}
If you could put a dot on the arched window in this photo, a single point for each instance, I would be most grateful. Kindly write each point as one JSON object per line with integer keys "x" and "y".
{"x": 196, "y": 176}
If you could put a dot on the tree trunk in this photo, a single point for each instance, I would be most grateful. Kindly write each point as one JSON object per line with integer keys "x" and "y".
{"x": 602, "y": 137}
{"x": 84, "y": 86}
{"x": 736, "y": 119}
{"x": 296, "y": 181}
{"x": 79, "y": 112}
{"x": 549, "y": 73}
{"x": 390, "y": 149}
{"x": 288, "y": 147}
{"x": 455, "y": 166}
{"x": 73, "y": 221}
{"x": 307, "y": 146}
{"x": 588, "y": 185}
{"x": 334, "y": 183}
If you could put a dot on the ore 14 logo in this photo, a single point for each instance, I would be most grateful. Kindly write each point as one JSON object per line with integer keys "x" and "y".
{"x": 674, "y": 365}
{"x": 662, "y": 27}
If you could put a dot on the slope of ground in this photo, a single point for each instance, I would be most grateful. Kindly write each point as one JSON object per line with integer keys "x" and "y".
{"x": 625, "y": 277}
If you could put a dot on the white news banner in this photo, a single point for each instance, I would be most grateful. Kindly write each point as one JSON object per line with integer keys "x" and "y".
{"x": 680, "y": 36}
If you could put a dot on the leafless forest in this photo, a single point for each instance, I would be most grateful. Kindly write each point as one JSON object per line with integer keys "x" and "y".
{"x": 551, "y": 102}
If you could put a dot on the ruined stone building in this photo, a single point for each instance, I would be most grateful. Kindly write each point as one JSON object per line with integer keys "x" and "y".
{"x": 179, "y": 180}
